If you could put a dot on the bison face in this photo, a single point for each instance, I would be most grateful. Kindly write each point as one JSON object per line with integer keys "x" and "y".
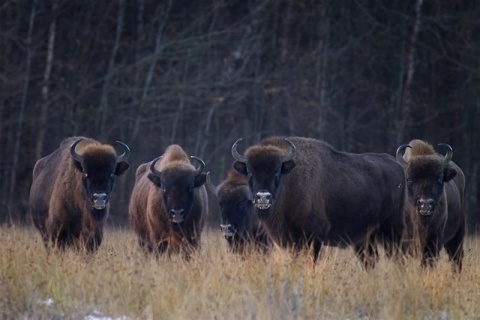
{"x": 425, "y": 176}
{"x": 425, "y": 183}
{"x": 99, "y": 166}
{"x": 178, "y": 186}
{"x": 236, "y": 213}
{"x": 264, "y": 167}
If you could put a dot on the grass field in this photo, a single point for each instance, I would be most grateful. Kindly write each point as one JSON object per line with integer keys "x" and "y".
{"x": 119, "y": 282}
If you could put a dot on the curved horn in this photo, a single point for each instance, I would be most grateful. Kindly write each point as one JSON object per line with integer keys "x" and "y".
{"x": 399, "y": 155}
{"x": 75, "y": 155}
{"x": 153, "y": 169}
{"x": 292, "y": 153}
{"x": 237, "y": 156}
{"x": 210, "y": 184}
{"x": 125, "y": 154}
{"x": 202, "y": 165}
{"x": 448, "y": 155}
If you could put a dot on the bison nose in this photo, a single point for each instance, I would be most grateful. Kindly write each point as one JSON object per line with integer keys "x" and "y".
{"x": 263, "y": 200}
{"x": 99, "y": 200}
{"x": 228, "y": 230}
{"x": 426, "y": 206}
{"x": 177, "y": 215}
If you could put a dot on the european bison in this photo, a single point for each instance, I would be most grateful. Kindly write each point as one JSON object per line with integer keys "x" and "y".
{"x": 239, "y": 225}
{"x": 169, "y": 202}
{"x": 434, "y": 209}
{"x": 306, "y": 193}
{"x": 71, "y": 189}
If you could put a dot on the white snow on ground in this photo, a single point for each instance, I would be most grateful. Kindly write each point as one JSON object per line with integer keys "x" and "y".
{"x": 94, "y": 315}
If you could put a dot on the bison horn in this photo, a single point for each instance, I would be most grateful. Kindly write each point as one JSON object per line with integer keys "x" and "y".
{"x": 125, "y": 154}
{"x": 400, "y": 151}
{"x": 202, "y": 165}
{"x": 292, "y": 153}
{"x": 75, "y": 155}
{"x": 237, "y": 156}
{"x": 210, "y": 184}
{"x": 153, "y": 169}
{"x": 449, "y": 154}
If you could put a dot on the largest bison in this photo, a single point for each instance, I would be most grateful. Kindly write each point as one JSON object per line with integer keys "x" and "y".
{"x": 70, "y": 192}
{"x": 435, "y": 206}
{"x": 306, "y": 193}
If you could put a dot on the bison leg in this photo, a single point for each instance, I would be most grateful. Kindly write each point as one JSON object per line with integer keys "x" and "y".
{"x": 367, "y": 252}
{"x": 317, "y": 248}
{"x": 92, "y": 243}
{"x": 431, "y": 252}
{"x": 454, "y": 249}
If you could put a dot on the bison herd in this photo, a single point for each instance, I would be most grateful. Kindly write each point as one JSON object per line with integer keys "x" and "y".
{"x": 295, "y": 193}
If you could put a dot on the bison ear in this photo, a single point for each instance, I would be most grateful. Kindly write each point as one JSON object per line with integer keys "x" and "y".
{"x": 240, "y": 167}
{"x": 287, "y": 166}
{"x": 121, "y": 168}
{"x": 155, "y": 179}
{"x": 200, "y": 180}
{"x": 78, "y": 165}
{"x": 449, "y": 173}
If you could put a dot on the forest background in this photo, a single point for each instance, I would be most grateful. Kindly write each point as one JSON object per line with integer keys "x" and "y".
{"x": 364, "y": 75}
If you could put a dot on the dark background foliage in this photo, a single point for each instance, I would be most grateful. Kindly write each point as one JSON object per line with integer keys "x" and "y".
{"x": 364, "y": 75}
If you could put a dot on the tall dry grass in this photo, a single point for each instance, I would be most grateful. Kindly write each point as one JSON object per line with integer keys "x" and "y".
{"x": 120, "y": 282}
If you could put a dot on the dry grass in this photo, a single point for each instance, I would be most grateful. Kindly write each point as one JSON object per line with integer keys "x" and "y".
{"x": 120, "y": 282}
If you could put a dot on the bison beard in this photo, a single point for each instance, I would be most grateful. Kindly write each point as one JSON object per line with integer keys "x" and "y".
{"x": 317, "y": 195}
{"x": 70, "y": 192}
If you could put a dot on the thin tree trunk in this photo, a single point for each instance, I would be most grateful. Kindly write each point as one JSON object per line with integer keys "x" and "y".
{"x": 42, "y": 125}
{"x": 18, "y": 136}
{"x": 158, "y": 49}
{"x": 103, "y": 109}
{"x": 406, "y": 94}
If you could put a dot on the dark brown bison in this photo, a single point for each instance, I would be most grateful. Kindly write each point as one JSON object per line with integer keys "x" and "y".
{"x": 306, "y": 193}
{"x": 434, "y": 208}
{"x": 169, "y": 202}
{"x": 71, "y": 189}
{"x": 239, "y": 225}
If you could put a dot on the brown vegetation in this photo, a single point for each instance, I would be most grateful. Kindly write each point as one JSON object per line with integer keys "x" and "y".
{"x": 120, "y": 281}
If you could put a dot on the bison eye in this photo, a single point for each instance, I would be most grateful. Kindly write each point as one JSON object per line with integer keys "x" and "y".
{"x": 85, "y": 175}
{"x": 409, "y": 181}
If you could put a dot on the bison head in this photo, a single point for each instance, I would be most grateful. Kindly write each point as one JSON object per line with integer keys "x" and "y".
{"x": 236, "y": 208}
{"x": 425, "y": 177}
{"x": 178, "y": 184}
{"x": 99, "y": 165}
{"x": 264, "y": 166}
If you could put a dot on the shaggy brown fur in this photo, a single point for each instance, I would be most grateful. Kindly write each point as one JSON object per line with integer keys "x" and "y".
{"x": 324, "y": 196}
{"x": 59, "y": 202}
{"x": 445, "y": 226}
{"x": 149, "y": 204}
{"x": 241, "y": 227}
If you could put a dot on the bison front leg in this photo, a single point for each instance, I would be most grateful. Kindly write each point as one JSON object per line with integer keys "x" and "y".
{"x": 367, "y": 252}
{"x": 431, "y": 251}
{"x": 454, "y": 250}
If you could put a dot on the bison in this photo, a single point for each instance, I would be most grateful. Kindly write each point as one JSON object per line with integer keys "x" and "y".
{"x": 70, "y": 192}
{"x": 239, "y": 225}
{"x": 169, "y": 202}
{"x": 434, "y": 208}
{"x": 307, "y": 194}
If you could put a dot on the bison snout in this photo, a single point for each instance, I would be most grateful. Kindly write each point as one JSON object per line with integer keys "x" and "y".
{"x": 177, "y": 215}
{"x": 99, "y": 200}
{"x": 426, "y": 206}
{"x": 228, "y": 230}
{"x": 263, "y": 200}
